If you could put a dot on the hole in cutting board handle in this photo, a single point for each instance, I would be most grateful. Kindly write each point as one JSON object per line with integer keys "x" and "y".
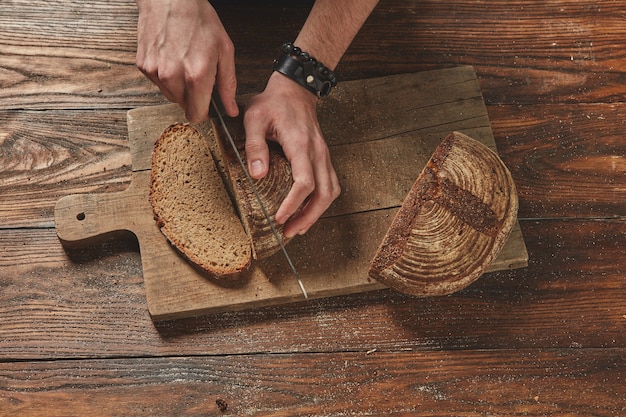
{"x": 80, "y": 216}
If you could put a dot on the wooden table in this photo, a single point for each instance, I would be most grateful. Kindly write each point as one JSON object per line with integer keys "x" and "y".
{"x": 549, "y": 339}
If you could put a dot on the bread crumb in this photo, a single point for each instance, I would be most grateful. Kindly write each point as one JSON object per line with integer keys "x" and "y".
{"x": 221, "y": 404}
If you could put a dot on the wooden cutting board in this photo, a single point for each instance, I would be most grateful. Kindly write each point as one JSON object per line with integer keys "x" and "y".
{"x": 381, "y": 133}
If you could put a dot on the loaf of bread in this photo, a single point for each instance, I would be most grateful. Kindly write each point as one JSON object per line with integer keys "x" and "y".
{"x": 191, "y": 205}
{"x": 452, "y": 224}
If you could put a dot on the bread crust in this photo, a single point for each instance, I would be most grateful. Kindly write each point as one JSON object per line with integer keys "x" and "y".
{"x": 453, "y": 223}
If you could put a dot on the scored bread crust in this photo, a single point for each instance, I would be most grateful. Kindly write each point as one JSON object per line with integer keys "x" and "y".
{"x": 191, "y": 206}
{"x": 452, "y": 224}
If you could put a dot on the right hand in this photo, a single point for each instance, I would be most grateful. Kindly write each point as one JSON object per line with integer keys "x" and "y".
{"x": 184, "y": 49}
{"x": 286, "y": 113}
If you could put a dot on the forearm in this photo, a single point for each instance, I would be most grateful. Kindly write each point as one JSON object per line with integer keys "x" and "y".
{"x": 331, "y": 27}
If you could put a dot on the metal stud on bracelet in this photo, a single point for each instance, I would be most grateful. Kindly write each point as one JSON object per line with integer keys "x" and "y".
{"x": 305, "y": 70}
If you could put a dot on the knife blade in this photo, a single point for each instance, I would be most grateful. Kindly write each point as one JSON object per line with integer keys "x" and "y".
{"x": 215, "y": 102}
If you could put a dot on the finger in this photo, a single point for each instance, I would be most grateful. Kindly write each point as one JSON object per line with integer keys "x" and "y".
{"x": 198, "y": 89}
{"x": 167, "y": 93}
{"x": 311, "y": 212}
{"x": 171, "y": 77}
{"x": 327, "y": 189}
{"x": 257, "y": 151}
{"x": 226, "y": 82}
{"x": 303, "y": 185}
{"x": 150, "y": 69}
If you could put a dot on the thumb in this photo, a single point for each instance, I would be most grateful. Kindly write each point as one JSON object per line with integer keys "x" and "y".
{"x": 257, "y": 151}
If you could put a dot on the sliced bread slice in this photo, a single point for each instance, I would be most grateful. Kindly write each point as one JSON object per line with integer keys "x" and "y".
{"x": 452, "y": 224}
{"x": 192, "y": 206}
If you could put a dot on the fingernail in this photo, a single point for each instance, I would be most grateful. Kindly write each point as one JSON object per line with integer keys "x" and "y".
{"x": 291, "y": 234}
{"x": 256, "y": 168}
{"x": 235, "y": 107}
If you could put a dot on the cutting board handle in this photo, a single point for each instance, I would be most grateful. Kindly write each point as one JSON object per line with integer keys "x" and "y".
{"x": 87, "y": 219}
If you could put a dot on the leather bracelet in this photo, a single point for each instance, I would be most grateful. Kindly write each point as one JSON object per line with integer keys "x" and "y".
{"x": 305, "y": 70}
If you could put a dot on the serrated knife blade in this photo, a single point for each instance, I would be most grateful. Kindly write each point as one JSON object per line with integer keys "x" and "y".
{"x": 215, "y": 102}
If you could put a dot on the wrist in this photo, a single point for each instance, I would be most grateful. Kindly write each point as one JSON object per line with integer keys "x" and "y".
{"x": 279, "y": 84}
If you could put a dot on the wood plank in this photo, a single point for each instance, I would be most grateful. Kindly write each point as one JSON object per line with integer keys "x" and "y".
{"x": 92, "y": 304}
{"x": 527, "y": 382}
{"x": 47, "y": 155}
{"x": 525, "y": 52}
{"x": 539, "y": 76}
{"x": 64, "y": 56}
{"x": 567, "y": 161}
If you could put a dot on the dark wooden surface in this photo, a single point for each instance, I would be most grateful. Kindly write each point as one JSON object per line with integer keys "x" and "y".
{"x": 550, "y": 339}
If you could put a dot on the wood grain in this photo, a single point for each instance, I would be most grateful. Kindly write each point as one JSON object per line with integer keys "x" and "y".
{"x": 568, "y": 161}
{"x": 546, "y": 340}
{"x": 526, "y": 52}
{"x": 553, "y": 382}
{"x": 94, "y": 305}
{"x": 70, "y": 57}
{"x": 377, "y": 167}
{"x": 46, "y": 155}
{"x": 565, "y": 58}
{"x": 537, "y": 72}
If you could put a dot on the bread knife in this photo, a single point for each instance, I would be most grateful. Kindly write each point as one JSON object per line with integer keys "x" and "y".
{"x": 218, "y": 107}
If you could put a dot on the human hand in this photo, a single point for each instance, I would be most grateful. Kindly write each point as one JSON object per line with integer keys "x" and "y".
{"x": 285, "y": 112}
{"x": 184, "y": 49}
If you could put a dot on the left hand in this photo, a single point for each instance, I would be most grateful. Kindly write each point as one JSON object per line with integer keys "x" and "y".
{"x": 286, "y": 113}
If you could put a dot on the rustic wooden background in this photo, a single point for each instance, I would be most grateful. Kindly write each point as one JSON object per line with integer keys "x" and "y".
{"x": 550, "y": 339}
